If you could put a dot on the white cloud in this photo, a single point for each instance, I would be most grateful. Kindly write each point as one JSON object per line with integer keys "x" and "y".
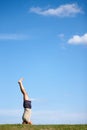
{"x": 10, "y": 112}
{"x": 10, "y": 116}
{"x": 76, "y": 39}
{"x": 13, "y": 37}
{"x": 43, "y": 116}
{"x": 48, "y": 117}
{"x": 38, "y": 99}
{"x": 61, "y": 35}
{"x": 61, "y": 11}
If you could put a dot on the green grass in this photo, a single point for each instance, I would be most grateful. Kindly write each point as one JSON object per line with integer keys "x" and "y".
{"x": 43, "y": 127}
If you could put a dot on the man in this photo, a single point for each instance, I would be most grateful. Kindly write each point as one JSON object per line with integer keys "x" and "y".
{"x": 26, "y": 104}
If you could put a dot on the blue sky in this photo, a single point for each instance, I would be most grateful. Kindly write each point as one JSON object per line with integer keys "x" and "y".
{"x": 46, "y": 43}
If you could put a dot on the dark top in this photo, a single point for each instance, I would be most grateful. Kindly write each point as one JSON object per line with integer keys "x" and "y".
{"x": 27, "y": 104}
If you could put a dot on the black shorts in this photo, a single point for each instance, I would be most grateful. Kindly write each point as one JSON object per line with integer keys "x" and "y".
{"x": 27, "y": 104}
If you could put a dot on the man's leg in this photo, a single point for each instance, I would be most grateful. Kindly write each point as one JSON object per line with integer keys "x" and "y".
{"x": 25, "y": 95}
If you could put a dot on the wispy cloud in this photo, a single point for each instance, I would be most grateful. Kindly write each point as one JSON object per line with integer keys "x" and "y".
{"x": 62, "y": 117}
{"x": 10, "y": 112}
{"x": 61, "y": 36}
{"x": 62, "y": 39}
{"x": 44, "y": 116}
{"x": 10, "y": 116}
{"x": 61, "y": 11}
{"x": 14, "y": 37}
{"x": 39, "y": 99}
{"x": 76, "y": 39}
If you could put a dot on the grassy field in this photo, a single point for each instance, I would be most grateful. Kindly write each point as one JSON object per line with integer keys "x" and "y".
{"x": 43, "y": 127}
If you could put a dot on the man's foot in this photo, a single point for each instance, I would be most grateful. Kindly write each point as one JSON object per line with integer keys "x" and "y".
{"x": 20, "y": 80}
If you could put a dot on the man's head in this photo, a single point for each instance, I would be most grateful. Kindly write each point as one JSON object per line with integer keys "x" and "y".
{"x": 25, "y": 122}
